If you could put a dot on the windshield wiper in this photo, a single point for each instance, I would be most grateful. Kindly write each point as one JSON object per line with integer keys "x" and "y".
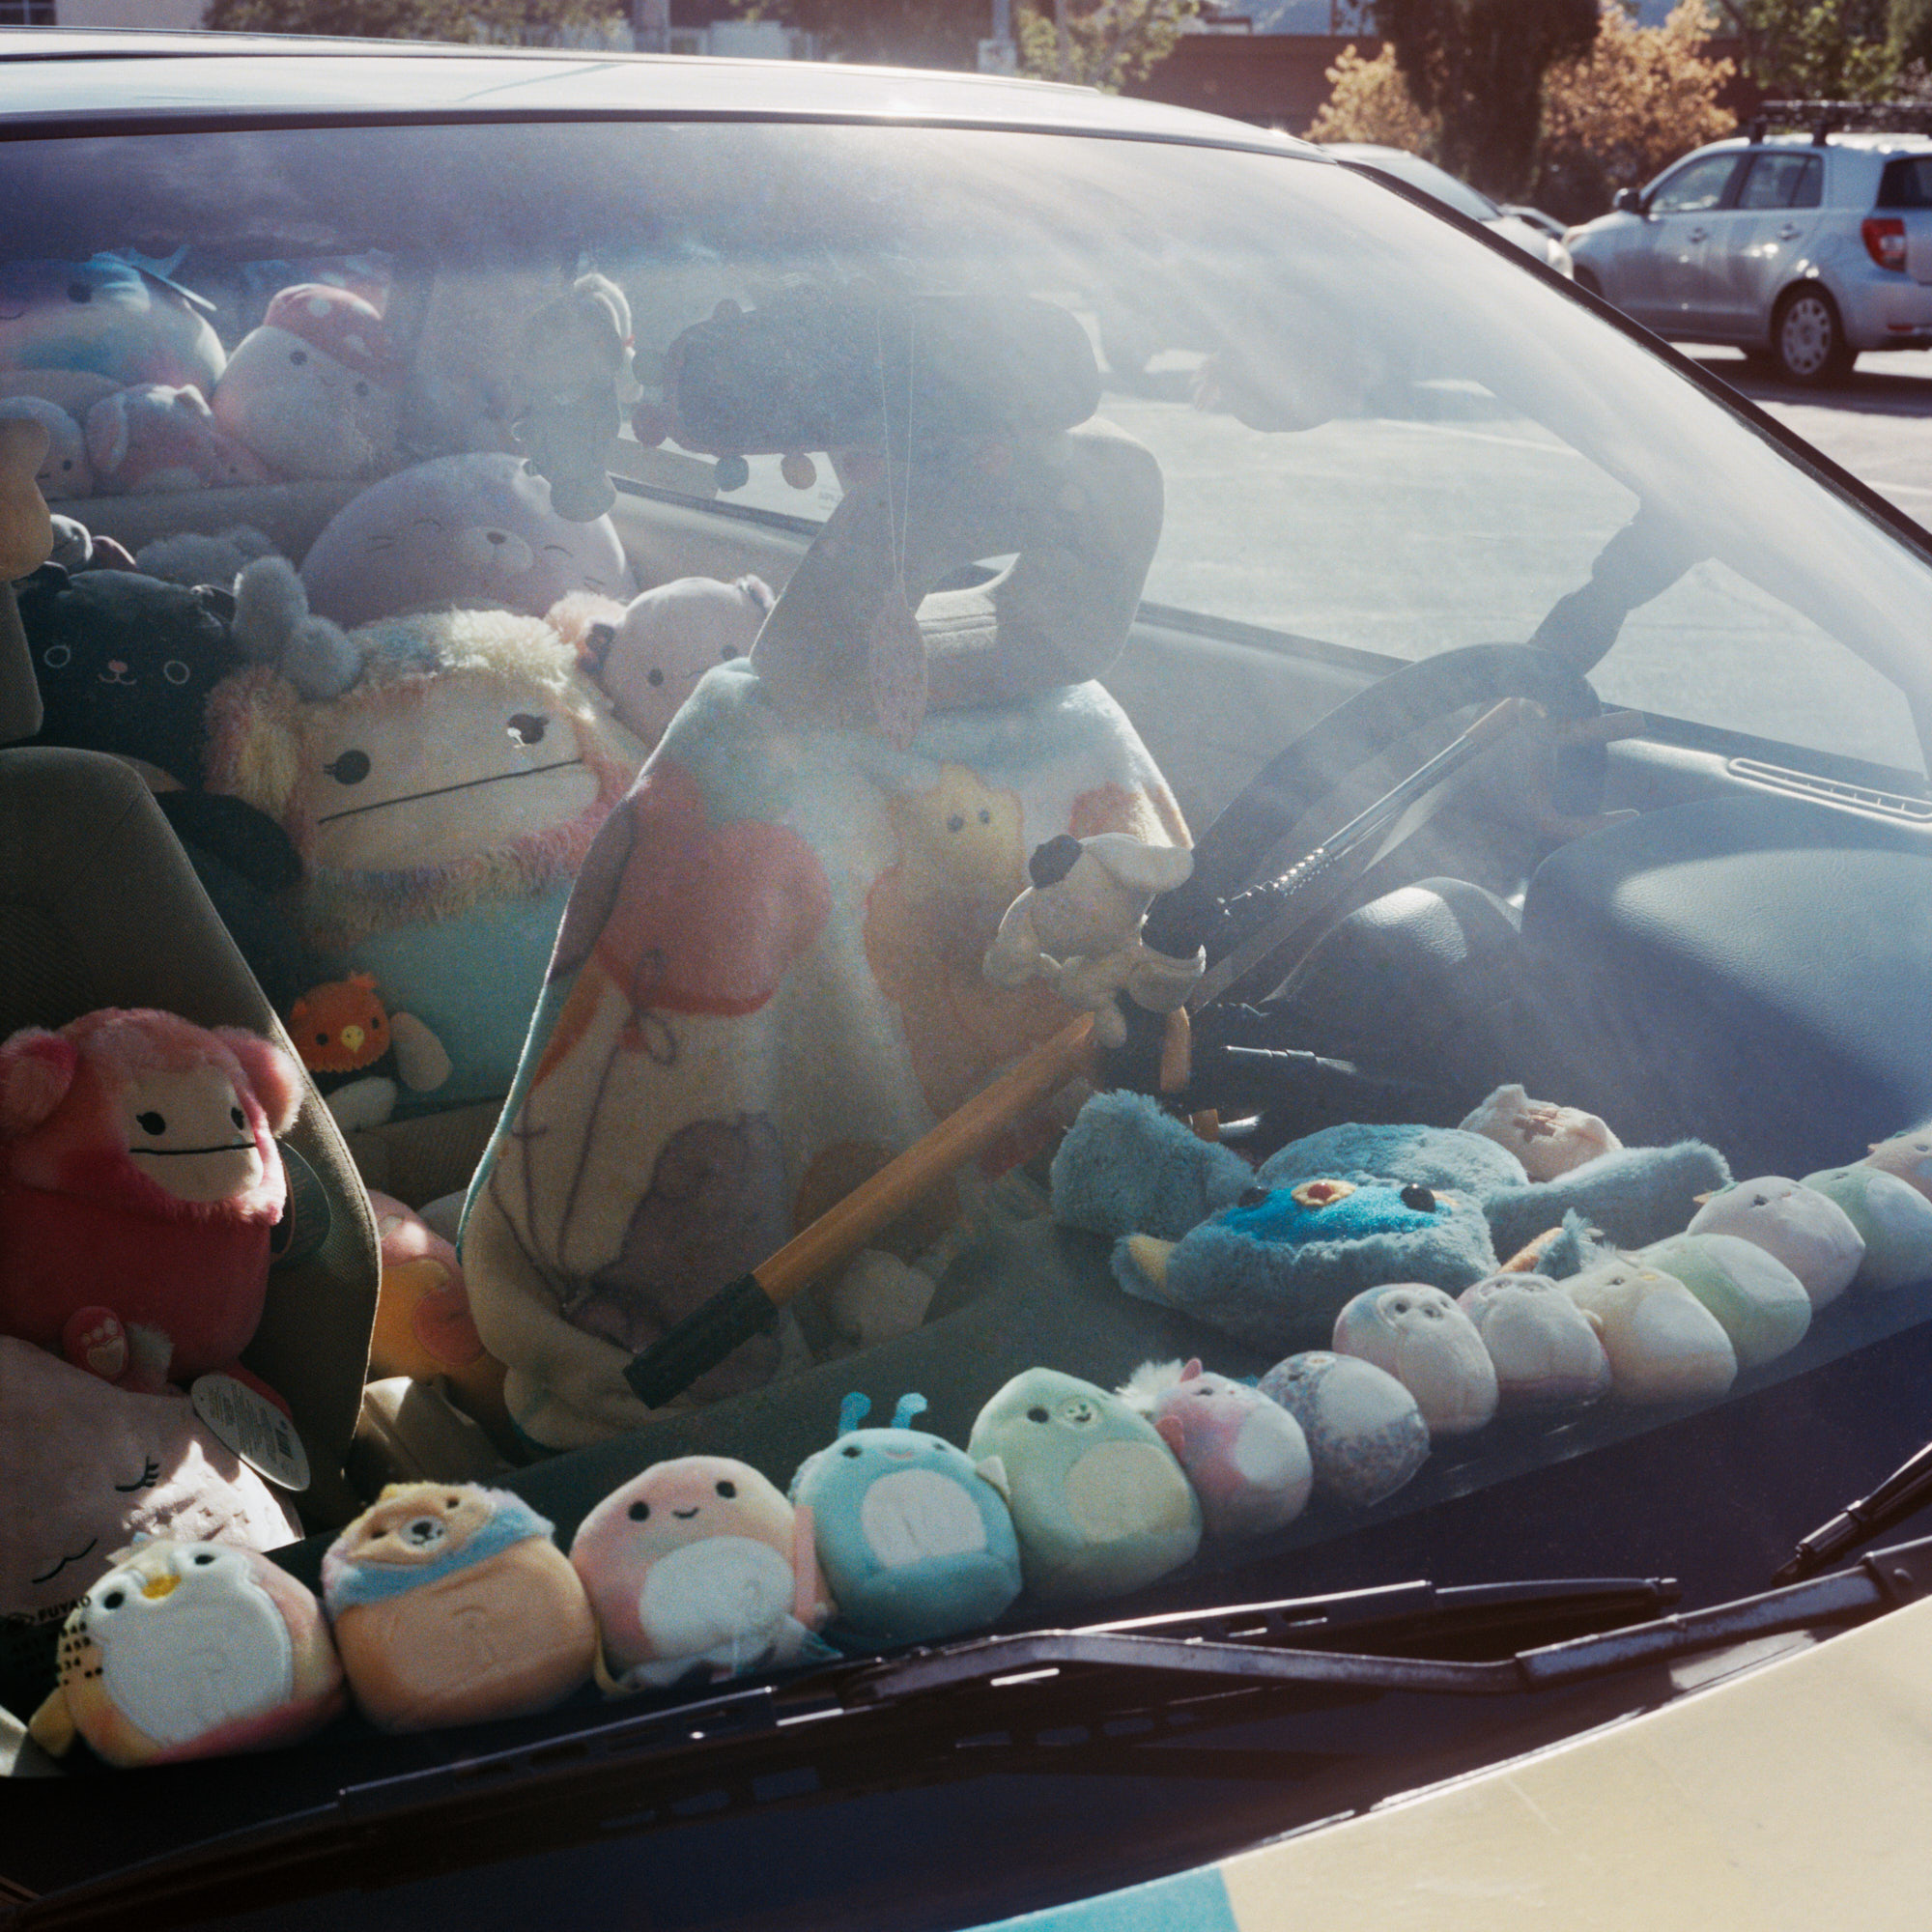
{"x": 1903, "y": 1492}
{"x": 989, "y": 1703}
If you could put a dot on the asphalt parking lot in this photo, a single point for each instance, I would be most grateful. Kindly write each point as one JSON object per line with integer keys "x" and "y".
{"x": 1878, "y": 424}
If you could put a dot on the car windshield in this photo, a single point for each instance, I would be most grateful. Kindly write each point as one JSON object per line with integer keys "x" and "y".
{"x": 665, "y": 659}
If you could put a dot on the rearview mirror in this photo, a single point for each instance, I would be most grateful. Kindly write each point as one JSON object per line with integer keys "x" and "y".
{"x": 1628, "y": 202}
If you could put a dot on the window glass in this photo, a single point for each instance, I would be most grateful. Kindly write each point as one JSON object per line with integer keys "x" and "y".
{"x": 1695, "y": 188}
{"x": 1781, "y": 181}
{"x": 1907, "y": 183}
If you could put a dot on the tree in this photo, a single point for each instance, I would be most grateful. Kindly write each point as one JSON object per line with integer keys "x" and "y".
{"x": 1641, "y": 97}
{"x": 1107, "y": 44}
{"x": 1477, "y": 67}
{"x": 1369, "y": 100}
{"x": 893, "y": 33}
{"x": 1817, "y": 49}
{"x": 491, "y": 21}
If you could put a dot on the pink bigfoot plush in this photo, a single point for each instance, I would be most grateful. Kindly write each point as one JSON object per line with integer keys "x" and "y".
{"x": 139, "y": 1181}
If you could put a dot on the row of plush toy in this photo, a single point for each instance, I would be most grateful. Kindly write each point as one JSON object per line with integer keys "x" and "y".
{"x": 1524, "y": 1261}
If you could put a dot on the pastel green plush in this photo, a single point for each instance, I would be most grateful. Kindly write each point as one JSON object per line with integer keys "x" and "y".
{"x": 1099, "y": 1502}
{"x": 1893, "y": 1217}
{"x": 1759, "y": 1303}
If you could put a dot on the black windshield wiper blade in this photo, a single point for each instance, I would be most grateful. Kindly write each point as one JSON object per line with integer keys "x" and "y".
{"x": 1903, "y": 1492}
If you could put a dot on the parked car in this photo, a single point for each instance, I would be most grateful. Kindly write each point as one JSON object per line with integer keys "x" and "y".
{"x": 1547, "y": 724}
{"x": 1805, "y": 252}
{"x": 1536, "y": 233}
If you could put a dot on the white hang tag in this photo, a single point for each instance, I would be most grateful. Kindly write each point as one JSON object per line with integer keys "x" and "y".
{"x": 253, "y": 1426}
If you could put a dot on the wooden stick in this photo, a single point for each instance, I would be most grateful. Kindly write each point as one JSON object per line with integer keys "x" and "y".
{"x": 743, "y": 1308}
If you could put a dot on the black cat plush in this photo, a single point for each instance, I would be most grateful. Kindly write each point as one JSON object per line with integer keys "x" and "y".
{"x": 125, "y": 663}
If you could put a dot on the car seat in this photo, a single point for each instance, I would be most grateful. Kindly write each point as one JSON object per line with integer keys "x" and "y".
{"x": 99, "y": 907}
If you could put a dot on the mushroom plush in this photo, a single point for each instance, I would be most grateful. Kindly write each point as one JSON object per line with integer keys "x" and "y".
{"x": 313, "y": 391}
{"x": 1078, "y": 928}
{"x": 139, "y": 1181}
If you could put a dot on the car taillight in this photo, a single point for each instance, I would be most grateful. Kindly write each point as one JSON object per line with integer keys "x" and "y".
{"x": 1884, "y": 241}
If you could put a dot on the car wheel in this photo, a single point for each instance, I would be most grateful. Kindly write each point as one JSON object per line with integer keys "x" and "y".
{"x": 1807, "y": 340}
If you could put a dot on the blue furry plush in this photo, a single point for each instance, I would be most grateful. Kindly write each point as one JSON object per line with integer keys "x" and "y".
{"x": 1635, "y": 1195}
{"x": 1128, "y": 1168}
{"x": 1435, "y": 1156}
{"x": 1275, "y": 1272}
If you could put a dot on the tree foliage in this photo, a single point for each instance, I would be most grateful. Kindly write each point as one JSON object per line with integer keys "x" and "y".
{"x": 1816, "y": 49}
{"x": 1641, "y": 97}
{"x": 1107, "y": 44}
{"x": 501, "y": 21}
{"x": 1369, "y": 100}
{"x": 1477, "y": 67}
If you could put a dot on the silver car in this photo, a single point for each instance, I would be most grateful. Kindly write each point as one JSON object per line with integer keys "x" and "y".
{"x": 1806, "y": 251}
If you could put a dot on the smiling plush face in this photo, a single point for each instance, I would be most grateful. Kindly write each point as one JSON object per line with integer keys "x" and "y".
{"x": 460, "y": 532}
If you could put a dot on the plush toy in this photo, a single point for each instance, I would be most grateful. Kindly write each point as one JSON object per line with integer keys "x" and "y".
{"x": 423, "y": 1328}
{"x": 916, "y": 1542}
{"x": 1366, "y": 1437}
{"x": 1664, "y": 1343}
{"x": 1099, "y": 1500}
{"x": 1907, "y": 1155}
{"x": 1890, "y": 1216}
{"x": 139, "y": 1181}
{"x": 65, "y": 470}
{"x": 441, "y": 802}
{"x": 188, "y": 1650}
{"x": 193, "y": 557}
{"x": 649, "y": 656}
{"x": 474, "y": 532}
{"x": 577, "y": 384}
{"x": 152, "y": 437}
{"x": 1809, "y": 1233}
{"x": 108, "y": 317}
{"x": 1276, "y": 1268}
{"x": 312, "y": 392}
{"x": 698, "y": 1568}
{"x": 26, "y": 529}
{"x": 76, "y": 548}
{"x": 1548, "y": 1140}
{"x": 1542, "y": 1346}
{"x": 1078, "y": 928}
{"x": 85, "y": 1469}
{"x": 452, "y": 1606}
{"x": 1417, "y": 1334}
{"x": 357, "y": 1050}
{"x": 1126, "y": 1166}
{"x": 1758, "y": 1302}
{"x": 1244, "y": 1453}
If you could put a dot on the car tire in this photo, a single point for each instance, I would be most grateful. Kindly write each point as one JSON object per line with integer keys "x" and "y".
{"x": 1808, "y": 339}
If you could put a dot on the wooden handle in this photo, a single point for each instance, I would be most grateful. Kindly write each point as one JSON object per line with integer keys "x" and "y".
{"x": 844, "y": 1228}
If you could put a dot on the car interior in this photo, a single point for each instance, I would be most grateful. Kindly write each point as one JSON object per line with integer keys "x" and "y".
{"x": 1665, "y": 859}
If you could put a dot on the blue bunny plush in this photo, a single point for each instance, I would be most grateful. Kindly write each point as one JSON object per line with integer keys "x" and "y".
{"x": 914, "y": 1541}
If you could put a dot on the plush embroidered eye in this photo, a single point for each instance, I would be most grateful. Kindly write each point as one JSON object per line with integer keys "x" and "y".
{"x": 1252, "y": 1197}
{"x": 956, "y": 822}
{"x": 175, "y": 671}
{"x": 1418, "y": 1197}
{"x": 361, "y": 388}
{"x": 203, "y": 1558}
{"x": 727, "y": 1490}
{"x": 349, "y": 769}
{"x": 852, "y": 1450}
{"x": 529, "y": 727}
{"x": 236, "y": 1115}
{"x": 1037, "y": 1415}
{"x": 57, "y": 657}
{"x": 298, "y": 357}
{"x": 640, "y": 1512}
{"x": 151, "y": 1122}
{"x": 654, "y": 678}
{"x": 112, "y": 1601}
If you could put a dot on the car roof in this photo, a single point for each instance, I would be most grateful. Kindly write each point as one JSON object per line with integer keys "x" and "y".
{"x": 1870, "y": 143}
{"x": 53, "y": 76}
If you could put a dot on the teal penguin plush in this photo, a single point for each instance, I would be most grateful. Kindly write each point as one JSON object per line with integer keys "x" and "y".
{"x": 1099, "y": 1500}
{"x": 915, "y": 1541}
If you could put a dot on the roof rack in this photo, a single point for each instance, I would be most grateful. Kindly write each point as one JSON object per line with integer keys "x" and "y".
{"x": 1826, "y": 118}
